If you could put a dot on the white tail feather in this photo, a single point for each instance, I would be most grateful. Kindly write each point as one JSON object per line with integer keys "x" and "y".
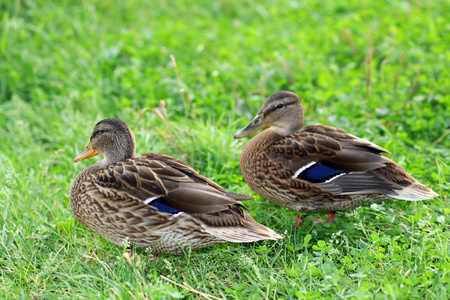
{"x": 242, "y": 236}
{"x": 414, "y": 192}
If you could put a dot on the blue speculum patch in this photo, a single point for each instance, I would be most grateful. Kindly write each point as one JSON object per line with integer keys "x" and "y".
{"x": 319, "y": 173}
{"x": 163, "y": 208}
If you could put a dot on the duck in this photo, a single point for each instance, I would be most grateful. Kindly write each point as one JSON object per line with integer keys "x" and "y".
{"x": 318, "y": 168}
{"x": 154, "y": 200}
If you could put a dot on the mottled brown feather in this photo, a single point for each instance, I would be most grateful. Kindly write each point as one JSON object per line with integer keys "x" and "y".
{"x": 113, "y": 198}
{"x": 270, "y": 160}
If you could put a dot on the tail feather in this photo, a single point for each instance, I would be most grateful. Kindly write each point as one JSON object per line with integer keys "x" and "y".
{"x": 250, "y": 231}
{"x": 414, "y": 192}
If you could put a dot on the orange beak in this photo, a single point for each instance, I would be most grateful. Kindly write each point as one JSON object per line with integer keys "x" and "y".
{"x": 87, "y": 153}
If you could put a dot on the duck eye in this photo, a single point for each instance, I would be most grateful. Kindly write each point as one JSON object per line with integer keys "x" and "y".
{"x": 97, "y": 132}
{"x": 279, "y": 106}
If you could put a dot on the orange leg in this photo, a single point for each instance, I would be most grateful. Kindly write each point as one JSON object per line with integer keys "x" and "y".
{"x": 318, "y": 220}
{"x": 299, "y": 221}
{"x": 331, "y": 217}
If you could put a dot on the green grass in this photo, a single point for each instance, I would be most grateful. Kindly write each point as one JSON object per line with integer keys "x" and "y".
{"x": 379, "y": 69}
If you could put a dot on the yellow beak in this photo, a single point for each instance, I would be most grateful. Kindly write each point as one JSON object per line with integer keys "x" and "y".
{"x": 87, "y": 153}
{"x": 256, "y": 124}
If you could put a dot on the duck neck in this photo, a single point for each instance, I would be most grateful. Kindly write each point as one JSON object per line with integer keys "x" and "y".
{"x": 92, "y": 169}
{"x": 85, "y": 173}
{"x": 257, "y": 145}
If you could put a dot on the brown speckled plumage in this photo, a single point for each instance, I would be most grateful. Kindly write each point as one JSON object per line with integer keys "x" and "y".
{"x": 115, "y": 198}
{"x": 275, "y": 163}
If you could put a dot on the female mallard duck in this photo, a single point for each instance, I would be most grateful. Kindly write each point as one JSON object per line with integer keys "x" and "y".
{"x": 318, "y": 168}
{"x": 155, "y": 200}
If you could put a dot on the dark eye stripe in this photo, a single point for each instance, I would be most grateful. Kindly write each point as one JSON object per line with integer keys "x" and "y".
{"x": 97, "y": 132}
{"x": 273, "y": 108}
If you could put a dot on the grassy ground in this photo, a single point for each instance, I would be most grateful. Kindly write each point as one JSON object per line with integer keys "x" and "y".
{"x": 379, "y": 69}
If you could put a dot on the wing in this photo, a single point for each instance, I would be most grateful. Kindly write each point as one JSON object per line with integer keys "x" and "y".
{"x": 165, "y": 183}
{"x": 186, "y": 169}
{"x": 235, "y": 225}
{"x": 333, "y": 160}
{"x": 344, "y": 136}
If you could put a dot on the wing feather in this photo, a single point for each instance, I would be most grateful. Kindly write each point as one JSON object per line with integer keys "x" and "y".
{"x": 169, "y": 180}
{"x": 339, "y": 150}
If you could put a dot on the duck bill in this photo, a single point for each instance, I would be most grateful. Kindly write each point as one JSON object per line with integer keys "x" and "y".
{"x": 256, "y": 124}
{"x": 87, "y": 153}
